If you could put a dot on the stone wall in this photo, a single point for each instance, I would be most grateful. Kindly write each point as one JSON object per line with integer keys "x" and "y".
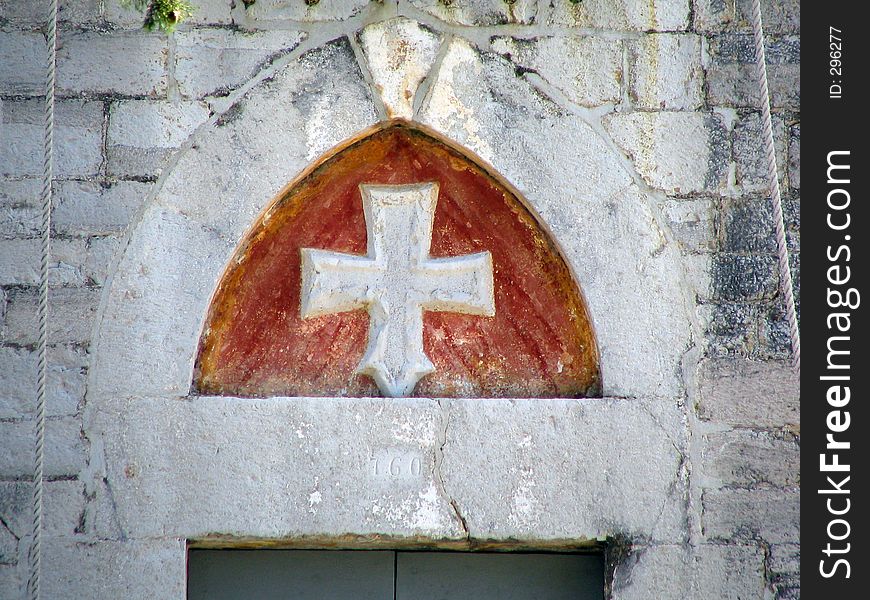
{"x": 635, "y": 123}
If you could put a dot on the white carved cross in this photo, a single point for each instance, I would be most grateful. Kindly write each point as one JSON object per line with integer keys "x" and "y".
{"x": 395, "y": 281}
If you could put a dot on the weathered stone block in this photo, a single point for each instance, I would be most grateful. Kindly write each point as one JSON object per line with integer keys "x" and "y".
{"x": 770, "y": 515}
{"x": 143, "y": 133}
{"x": 216, "y": 61}
{"x": 666, "y": 72}
{"x": 131, "y": 63}
{"x": 438, "y": 467}
{"x": 11, "y": 581}
{"x": 63, "y": 509}
{"x": 78, "y": 138}
{"x": 86, "y": 208}
{"x": 732, "y": 78}
{"x": 748, "y": 226}
{"x": 25, "y": 56}
{"x": 8, "y": 548}
{"x": 693, "y": 223}
{"x": 400, "y": 54}
{"x": 588, "y": 70}
{"x": 133, "y": 570}
{"x": 658, "y": 15}
{"x": 34, "y": 14}
{"x": 20, "y": 208}
{"x": 676, "y": 152}
{"x": 678, "y": 572}
{"x": 72, "y": 315}
{"x": 750, "y": 459}
{"x": 541, "y": 492}
{"x": 154, "y": 124}
{"x": 778, "y": 16}
{"x": 754, "y": 331}
{"x": 745, "y": 393}
{"x": 66, "y": 381}
{"x": 19, "y": 261}
{"x": 65, "y": 454}
{"x": 739, "y": 278}
{"x": 750, "y": 155}
{"x": 291, "y": 10}
{"x": 480, "y": 12}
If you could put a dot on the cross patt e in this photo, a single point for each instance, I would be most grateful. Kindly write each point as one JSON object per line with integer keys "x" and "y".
{"x": 395, "y": 282}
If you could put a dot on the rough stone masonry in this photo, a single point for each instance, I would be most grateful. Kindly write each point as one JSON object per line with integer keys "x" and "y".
{"x": 631, "y": 128}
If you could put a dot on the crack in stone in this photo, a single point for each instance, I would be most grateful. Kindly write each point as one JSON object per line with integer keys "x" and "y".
{"x": 436, "y": 470}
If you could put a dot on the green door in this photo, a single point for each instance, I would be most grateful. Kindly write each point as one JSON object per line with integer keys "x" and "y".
{"x": 388, "y": 575}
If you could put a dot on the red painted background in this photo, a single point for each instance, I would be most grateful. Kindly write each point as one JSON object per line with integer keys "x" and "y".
{"x": 539, "y": 344}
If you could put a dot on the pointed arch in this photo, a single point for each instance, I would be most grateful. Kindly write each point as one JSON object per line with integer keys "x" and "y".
{"x": 539, "y": 344}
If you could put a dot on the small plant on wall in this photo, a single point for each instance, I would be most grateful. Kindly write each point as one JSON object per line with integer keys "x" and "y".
{"x": 161, "y": 14}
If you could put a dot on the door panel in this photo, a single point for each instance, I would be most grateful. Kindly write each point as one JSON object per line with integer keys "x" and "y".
{"x": 460, "y": 576}
{"x": 289, "y": 575}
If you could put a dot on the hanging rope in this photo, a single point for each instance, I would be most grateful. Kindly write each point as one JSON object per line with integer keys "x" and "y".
{"x": 786, "y": 285}
{"x": 35, "y": 551}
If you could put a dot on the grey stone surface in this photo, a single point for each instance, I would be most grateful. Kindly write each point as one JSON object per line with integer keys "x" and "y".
{"x": 316, "y": 485}
{"x": 657, "y": 15}
{"x": 216, "y": 61}
{"x": 588, "y": 70}
{"x": 291, "y": 10}
{"x": 154, "y": 124}
{"x": 675, "y": 152}
{"x": 747, "y": 224}
{"x": 23, "y": 68}
{"x": 666, "y": 72}
{"x": 64, "y": 448}
{"x": 731, "y": 75}
{"x": 88, "y": 208}
{"x": 313, "y": 484}
{"x": 310, "y": 106}
{"x": 735, "y": 278}
{"x": 133, "y": 570}
{"x": 749, "y": 393}
{"x": 750, "y": 155}
{"x": 778, "y": 16}
{"x": 399, "y": 54}
{"x": 750, "y": 459}
{"x": 693, "y": 223}
{"x": 66, "y": 381}
{"x": 78, "y": 138}
{"x": 19, "y": 261}
{"x": 771, "y": 515}
{"x": 137, "y": 62}
{"x": 8, "y": 547}
{"x": 546, "y": 469}
{"x": 480, "y": 12}
{"x": 71, "y": 322}
{"x": 746, "y": 331}
{"x": 678, "y": 572}
{"x": 20, "y": 216}
{"x": 142, "y": 134}
{"x": 64, "y": 509}
{"x": 11, "y": 581}
{"x": 476, "y": 100}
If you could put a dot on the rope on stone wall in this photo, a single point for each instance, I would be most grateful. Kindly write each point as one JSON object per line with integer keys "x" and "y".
{"x": 35, "y": 550}
{"x": 786, "y": 285}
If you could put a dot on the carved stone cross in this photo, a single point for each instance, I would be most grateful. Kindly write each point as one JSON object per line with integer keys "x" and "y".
{"x": 395, "y": 281}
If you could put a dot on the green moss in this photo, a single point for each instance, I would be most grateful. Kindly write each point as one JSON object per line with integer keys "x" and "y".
{"x": 164, "y": 15}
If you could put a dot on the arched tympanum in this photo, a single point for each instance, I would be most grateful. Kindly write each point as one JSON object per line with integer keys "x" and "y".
{"x": 398, "y": 239}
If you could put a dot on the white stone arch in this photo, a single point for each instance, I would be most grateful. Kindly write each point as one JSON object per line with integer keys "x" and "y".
{"x": 201, "y": 468}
